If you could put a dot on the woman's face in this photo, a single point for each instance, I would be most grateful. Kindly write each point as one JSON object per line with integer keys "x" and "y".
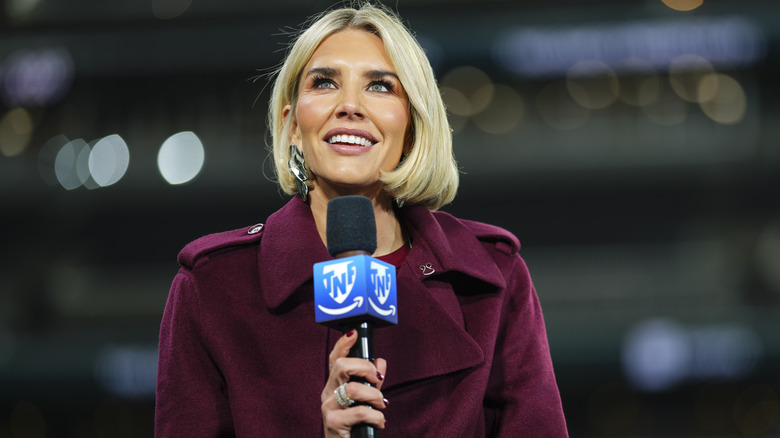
{"x": 352, "y": 115}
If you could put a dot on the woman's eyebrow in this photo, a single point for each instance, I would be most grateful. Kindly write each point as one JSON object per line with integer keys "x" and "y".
{"x": 380, "y": 74}
{"x": 324, "y": 71}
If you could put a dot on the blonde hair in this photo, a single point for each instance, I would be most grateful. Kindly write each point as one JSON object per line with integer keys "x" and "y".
{"x": 428, "y": 175}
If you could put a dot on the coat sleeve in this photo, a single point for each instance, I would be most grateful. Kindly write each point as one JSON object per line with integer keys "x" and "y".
{"x": 192, "y": 398}
{"x": 522, "y": 397}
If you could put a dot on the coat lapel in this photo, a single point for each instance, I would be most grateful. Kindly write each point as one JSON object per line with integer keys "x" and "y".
{"x": 446, "y": 263}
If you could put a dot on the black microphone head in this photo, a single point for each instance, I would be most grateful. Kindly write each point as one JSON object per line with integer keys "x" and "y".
{"x": 350, "y": 225}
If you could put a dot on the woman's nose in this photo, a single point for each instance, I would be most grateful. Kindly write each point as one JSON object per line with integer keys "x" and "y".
{"x": 350, "y": 105}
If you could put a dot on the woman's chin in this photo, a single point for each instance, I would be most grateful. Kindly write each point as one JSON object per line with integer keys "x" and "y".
{"x": 345, "y": 186}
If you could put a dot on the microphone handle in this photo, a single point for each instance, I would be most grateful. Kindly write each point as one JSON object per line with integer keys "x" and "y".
{"x": 364, "y": 349}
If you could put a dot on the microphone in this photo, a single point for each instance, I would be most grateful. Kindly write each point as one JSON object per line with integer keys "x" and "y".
{"x": 354, "y": 291}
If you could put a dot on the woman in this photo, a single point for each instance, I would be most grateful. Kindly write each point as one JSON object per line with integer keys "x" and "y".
{"x": 355, "y": 110}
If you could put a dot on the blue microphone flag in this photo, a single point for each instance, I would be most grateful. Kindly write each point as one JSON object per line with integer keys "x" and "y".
{"x": 357, "y": 288}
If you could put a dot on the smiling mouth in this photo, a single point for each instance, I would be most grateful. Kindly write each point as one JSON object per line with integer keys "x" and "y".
{"x": 351, "y": 140}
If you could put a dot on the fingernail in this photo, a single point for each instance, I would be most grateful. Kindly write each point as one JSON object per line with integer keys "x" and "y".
{"x": 380, "y": 376}
{"x": 387, "y": 402}
{"x": 351, "y": 333}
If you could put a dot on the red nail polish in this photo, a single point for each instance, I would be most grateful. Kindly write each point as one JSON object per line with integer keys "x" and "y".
{"x": 387, "y": 403}
{"x": 351, "y": 333}
{"x": 380, "y": 376}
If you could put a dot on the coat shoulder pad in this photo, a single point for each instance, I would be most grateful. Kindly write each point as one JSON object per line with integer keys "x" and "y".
{"x": 198, "y": 250}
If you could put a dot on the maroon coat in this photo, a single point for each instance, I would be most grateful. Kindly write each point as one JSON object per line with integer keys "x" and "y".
{"x": 240, "y": 353}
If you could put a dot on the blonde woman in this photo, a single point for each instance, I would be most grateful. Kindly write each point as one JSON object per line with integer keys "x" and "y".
{"x": 355, "y": 110}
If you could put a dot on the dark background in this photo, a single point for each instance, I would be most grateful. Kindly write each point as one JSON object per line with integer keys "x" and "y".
{"x": 652, "y": 231}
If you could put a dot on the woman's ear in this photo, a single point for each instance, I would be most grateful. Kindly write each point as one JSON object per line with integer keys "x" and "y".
{"x": 289, "y": 117}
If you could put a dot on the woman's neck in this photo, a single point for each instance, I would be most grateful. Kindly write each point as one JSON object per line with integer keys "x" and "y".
{"x": 390, "y": 235}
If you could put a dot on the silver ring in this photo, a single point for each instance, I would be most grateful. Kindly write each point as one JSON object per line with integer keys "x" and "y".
{"x": 342, "y": 397}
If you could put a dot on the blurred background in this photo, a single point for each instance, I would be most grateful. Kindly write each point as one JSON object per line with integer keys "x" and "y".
{"x": 632, "y": 146}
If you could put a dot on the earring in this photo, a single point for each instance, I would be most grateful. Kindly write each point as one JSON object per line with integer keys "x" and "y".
{"x": 298, "y": 168}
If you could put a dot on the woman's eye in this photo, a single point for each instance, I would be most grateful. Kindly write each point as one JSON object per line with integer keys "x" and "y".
{"x": 323, "y": 83}
{"x": 380, "y": 87}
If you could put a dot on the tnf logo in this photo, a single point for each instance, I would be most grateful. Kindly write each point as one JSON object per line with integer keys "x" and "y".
{"x": 381, "y": 279}
{"x": 339, "y": 278}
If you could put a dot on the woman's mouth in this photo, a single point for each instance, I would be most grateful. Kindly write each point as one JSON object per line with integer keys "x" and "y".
{"x": 350, "y": 140}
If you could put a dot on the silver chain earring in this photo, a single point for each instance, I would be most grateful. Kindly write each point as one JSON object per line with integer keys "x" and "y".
{"x": 298, "y": 168}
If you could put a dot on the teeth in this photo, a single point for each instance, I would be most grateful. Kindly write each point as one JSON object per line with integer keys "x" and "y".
{"x": 351, "y": 139}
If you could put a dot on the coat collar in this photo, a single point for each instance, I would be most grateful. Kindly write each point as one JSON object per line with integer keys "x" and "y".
{"x": 443, "y": 243}
{"x": 291, "y": 245}
{"x": 289, "y": 248}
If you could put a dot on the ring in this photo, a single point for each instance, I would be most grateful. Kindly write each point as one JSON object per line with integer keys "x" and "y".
{"x": 342, "y": 397}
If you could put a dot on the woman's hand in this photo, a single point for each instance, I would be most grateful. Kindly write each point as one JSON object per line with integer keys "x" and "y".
{"x": 338, "y": 420}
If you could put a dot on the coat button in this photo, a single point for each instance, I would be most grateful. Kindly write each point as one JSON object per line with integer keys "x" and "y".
{"x": 255, "y": 229}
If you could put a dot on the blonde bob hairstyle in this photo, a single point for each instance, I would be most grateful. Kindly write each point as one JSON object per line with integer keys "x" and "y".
{"x": 428, "y": 175}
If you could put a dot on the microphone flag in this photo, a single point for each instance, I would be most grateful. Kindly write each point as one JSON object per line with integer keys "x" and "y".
{"x": 357, "y": 288}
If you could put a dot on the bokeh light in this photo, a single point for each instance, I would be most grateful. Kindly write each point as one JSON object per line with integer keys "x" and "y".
{"x": 660, "y": 354}
{"x": 82, "y": 167}
{"x": 127, "y": 371}
{"x": 108, "y": 160}
{"x": 37, "y": 77}
{"x": 656, "y": 355}
{"x": 504, "y": 113}
{"x": 683, "y": 5}
{"x": 685, "y": 72}
{"x": 592, "y": 84}
{"x": 474, "y": 86}
{"x": 19, "y": 9}
{"x": 457, "y": 107}
{"x": 723, "y": 98}
{"x": 181, "y": 158}
{"x": 71, "y": 166}
{"x": 724, "y": 351}
{"x": 16, "y": 128}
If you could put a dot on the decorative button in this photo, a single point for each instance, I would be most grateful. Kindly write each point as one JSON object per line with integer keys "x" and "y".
{"x": 255, "y": 229}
